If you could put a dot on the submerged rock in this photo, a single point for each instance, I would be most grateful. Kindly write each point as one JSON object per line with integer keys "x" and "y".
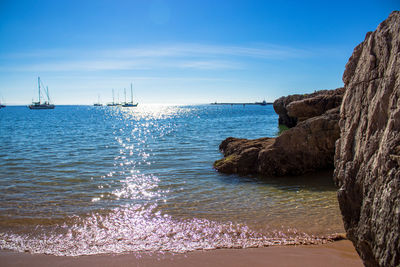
{"x": 367, "y": 156}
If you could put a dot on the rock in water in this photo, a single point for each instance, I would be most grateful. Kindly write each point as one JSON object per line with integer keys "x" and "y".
{"x": 367, "y": 158}
{"x": 280, "y": 108}
{"x": 307, "y": 147}
{"x": 315, "y": 104}
{"x": 295, "y": 108}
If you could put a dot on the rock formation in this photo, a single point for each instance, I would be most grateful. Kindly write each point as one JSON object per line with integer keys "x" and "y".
{"x": 367, "y": 156}
{"x": 280, "y": 108}
{"x": 307, "y": 147}
{"x": 295, "y": 108}
{"x": 316, "y": 104}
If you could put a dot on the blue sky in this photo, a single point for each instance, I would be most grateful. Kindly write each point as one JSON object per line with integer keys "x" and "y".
{"x": 179, "y": 52}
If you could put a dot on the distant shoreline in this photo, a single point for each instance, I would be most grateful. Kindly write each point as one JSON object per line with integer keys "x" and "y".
{"x": 167, "y": 104}
{"x": 244, "y": 104}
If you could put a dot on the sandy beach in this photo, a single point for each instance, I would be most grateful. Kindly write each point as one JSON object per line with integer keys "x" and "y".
{"x": 340, "y": 253}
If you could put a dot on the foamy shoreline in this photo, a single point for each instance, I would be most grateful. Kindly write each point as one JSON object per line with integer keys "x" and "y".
{"x": 339, "y": 253}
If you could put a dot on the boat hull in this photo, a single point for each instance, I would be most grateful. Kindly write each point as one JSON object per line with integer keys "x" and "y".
{"x": 41, "y": 106}
{"x": 130, "y": 105}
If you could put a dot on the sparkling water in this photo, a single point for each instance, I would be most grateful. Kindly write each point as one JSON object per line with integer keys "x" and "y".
{"x": 81, "y": 180}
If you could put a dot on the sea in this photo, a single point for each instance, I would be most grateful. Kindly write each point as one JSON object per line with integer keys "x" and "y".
{"x": 85, "y": 180}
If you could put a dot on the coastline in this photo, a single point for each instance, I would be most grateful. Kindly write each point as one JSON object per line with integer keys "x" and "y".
{"x": 338, "y": 253}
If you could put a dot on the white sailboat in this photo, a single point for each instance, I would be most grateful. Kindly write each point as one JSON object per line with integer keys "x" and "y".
{"x": 98, "y": 104}
{"x": 113, "y": 104}
{"x": 130, "y": 104}
{"x": 42, "y": 105}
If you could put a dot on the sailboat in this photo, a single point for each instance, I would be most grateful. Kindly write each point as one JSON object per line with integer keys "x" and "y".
{"x": 40, "y": 104}
{"x": 98, "y": 104}
{"x": 130, "y": 104}
{"x": 113, "y": 104}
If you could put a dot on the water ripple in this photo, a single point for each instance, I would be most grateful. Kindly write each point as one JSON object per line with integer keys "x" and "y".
{"x": 83, "y": 180}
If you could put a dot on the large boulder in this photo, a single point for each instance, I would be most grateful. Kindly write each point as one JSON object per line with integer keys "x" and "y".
{"x": 280, "y": 108}
{"x": 315, "y": 104}
{"x": 308, "y": 147}
{"x": 367, "y": 159}
{"x": 294, "y": 108}
{"x": 241, "y": 155}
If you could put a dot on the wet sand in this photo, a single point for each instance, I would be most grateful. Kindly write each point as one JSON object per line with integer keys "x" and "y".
{"x": 340, "y": 253}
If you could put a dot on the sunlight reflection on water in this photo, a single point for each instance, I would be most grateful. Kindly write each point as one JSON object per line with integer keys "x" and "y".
{"x": 110, "y": 180}
{"x": 138, "y": 229}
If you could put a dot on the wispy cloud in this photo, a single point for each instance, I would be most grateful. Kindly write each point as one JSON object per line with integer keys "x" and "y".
{"x": 176, "y": 56}
{"x": 190, "y": 49}
{"x": 125, "y": 64}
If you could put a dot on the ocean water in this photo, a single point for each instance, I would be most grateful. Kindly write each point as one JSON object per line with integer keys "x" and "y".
{"x": 82, "y": 180}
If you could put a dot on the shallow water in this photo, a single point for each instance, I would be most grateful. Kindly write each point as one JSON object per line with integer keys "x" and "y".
{"x": 82, "y": 180}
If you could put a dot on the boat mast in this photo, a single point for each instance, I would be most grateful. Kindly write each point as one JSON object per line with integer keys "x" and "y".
{"x": 131, "y": 94}
{"x": 39, "y": 88}
{"x": 125, "y": 94}
{"x": 47, "y": 93}
{"x": 113, "y": 95}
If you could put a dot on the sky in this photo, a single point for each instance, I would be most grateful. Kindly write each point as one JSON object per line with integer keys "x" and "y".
{"x": 178, "y": 51}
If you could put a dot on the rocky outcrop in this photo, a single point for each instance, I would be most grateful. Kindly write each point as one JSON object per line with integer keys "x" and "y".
{"x": 241, "y": 155}
{"x": 294, "y": 108}
{"x": 316, "y": 104}
{"x": 367, "y": 156}
{"x": 280, "y": 108}
{"x": 308, "y": 147}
